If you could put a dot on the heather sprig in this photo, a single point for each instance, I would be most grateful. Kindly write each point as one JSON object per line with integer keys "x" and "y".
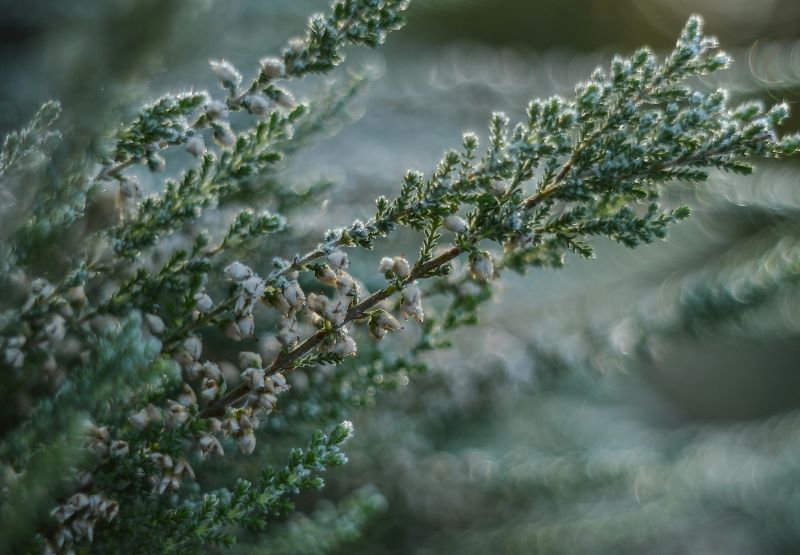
{"x": 154, "y": 305}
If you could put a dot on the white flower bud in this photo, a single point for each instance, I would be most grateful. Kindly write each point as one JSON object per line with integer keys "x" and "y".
{"x": 236, "y": 271}
{"x": 216, "y": 110}
{"x": 286, "y": 99}
{"x": 203, "y": 303}
{"x": 183, "y": 468}
{"x": 294, "y": 294}
{"x": 400, "y": 267}
{"x": 272, "y": 68}
{"x": 344, "y": 345}
{"x": 411, "y": 303}
{"x": 209, "y": 445}
{"x": 376, "y": 332}
{"x": 247, "y": 442}
{"x": 338, "y": 260}
{"x": 210, "y": 370}
{"x": 455, "y": 224}
{"x": 388, "y": 322}
{"x": 317, "y": 303}
{"x": 258, "y": 105}
{"x": 129, "y": 188}
{"x": 253, "y": 378}
{"x": 178, "y": 413}
{"x": 119, "y": 448}
{"x": 288, "y": 332}
{"x": 142, "y": 418}
{"x": 382, "y": 322}
{"x": 224, "y": 134}
{"x": 264, "y": 401}
{"x": 193, "y": 347}
{"x": 108, "y": 509}
{"x": 247, "y": 325}
{"x": 226, "y": 72}
{"x": 326, "y": 275}
{"x": 336, "y": 309}
{"x": 78, "y": 501}
{"x": 481, "y": 267}
{"x": 62, "y": 512}
{"x": 155, "y": 324}
{"x": 345, "y": 283}
{"x": 50, "y": 364}
{"x": 296, "y": 44}
{"x": 232, "y": 331}
{"x": 253, "y": 287}
{"x": 187, "y": 397}
{"x": 76, "y": 295}
{"x": 14, "y": 357}
{"x": 209, "y": 389}
{"x": 385, "y": 265}
{"x": 64, "y": 538}
{"x": 156, "y": 162}
{"x": 163, "y": 460}
{"x": 500, "y": 188}
{"x": 249, "y": 359}
{"x": 56, "y": 329}
{"x": 196, "y": 146}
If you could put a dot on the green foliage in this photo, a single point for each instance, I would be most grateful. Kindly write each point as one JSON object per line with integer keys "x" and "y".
{"x": 118, "y": 367}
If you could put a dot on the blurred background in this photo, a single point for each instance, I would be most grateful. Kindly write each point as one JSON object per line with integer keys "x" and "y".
{"x": 644, "y": 402}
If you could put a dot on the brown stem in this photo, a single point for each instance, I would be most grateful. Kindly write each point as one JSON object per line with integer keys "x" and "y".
{"x": 285, "y": 360}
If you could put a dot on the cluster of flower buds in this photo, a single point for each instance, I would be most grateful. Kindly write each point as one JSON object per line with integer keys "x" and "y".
{"x": 211, "y": 379}
{"x": 341, "y": 343}
{"x": 411, "y": 302}
{"x": 98, "y": 440}
{"x": 241, "y": 424}
{"x": 264, "y": 390}
{"x": 77, "y": 519}
{"x": 209, "y": 445}
{"x": 397, "y": 267}
{"x": 334, "y": 309}
{"x": 170, "y": 472}
{"x": 250, "y": 289}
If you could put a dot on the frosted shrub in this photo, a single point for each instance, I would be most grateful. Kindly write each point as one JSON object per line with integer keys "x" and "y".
{"x": 115, "y": 391}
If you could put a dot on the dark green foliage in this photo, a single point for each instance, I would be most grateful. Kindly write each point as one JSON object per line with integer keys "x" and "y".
{"x": 118, "y": 375}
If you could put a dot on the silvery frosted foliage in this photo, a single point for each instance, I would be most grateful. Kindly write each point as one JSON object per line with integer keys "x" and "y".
{"x": 117, "y": 369}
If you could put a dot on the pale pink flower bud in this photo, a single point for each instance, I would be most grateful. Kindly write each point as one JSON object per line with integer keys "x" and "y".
{"x": 338, "y": 260}
{"x": 247, "y": 325}
{"x": 272, "y": 68}
{"x": 155, "y": 324}
{"x": 196, "y": 146}
{"x": 400, "y": 267}
{"x": 455, "y": 224}
{"x": 226, "y": 72}
{"x": 481, "y": 267}
{"x": 258, "y": 105}
{"x": 249, "y": 359}
{"x": 119, "y": 448}
{"x": 253, "y": 378}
